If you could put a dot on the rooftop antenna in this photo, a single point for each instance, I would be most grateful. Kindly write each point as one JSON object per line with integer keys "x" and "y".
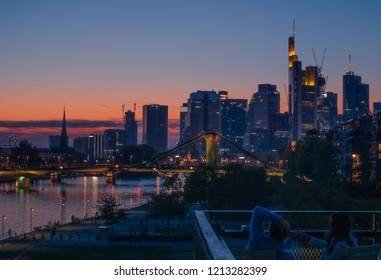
{"x": 134, "y": 107}
{"x": 293, "y": 28}
{"x": 350, "y": 63}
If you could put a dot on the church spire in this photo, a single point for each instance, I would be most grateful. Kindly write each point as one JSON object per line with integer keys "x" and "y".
{"x": 64, "y": 137}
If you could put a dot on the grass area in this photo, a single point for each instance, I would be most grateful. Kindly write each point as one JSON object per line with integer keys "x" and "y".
{"x": 110, "y": 253}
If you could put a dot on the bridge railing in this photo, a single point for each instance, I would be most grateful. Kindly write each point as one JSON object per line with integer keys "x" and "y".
{"x": 230, "y": 229}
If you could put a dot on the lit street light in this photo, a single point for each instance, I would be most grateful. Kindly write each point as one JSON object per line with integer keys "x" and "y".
{"x": 2, "y": 226}
{"x": 31, "y": 223}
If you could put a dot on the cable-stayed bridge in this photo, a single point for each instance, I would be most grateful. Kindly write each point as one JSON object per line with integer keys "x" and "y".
{"x": 211, "y": 139}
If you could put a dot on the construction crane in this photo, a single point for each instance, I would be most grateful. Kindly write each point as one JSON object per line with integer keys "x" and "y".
{"x": 320, "y": 68}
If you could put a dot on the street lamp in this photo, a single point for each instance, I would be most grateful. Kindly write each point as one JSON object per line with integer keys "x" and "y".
{"x": 2, "y": 226}
{"x": 31, "y": 211}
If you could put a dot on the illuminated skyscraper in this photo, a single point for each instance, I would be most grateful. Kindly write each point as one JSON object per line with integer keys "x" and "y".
{"x": 303, "y": 91}
{"x": 155, "y": 126}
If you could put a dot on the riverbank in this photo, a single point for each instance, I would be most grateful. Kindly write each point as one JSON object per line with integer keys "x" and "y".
{"x": 91, "y": 240}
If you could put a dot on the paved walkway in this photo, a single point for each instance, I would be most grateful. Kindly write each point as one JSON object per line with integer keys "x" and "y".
{"x": 91, "y": 233}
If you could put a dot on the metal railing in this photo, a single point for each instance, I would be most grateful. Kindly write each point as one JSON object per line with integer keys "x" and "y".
{"x": 231, "y": 228}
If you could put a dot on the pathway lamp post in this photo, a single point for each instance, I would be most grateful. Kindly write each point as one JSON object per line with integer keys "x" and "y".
{"x": 2, "y": 226}
{"x": 31, "y": 216}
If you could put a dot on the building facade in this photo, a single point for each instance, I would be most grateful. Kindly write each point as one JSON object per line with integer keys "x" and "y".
{"x": 96, "y": 143}
{"x": 355, "y": 96}
{"x": 130, "y": 128}
{"x": 155, "y": 126}
{"x": 233, "y": 121}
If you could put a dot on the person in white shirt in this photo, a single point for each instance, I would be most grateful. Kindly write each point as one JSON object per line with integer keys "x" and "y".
{"x": 339, "y": 238}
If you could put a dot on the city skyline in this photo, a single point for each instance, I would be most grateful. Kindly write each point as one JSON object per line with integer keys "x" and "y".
{"x": 93, "y": 57}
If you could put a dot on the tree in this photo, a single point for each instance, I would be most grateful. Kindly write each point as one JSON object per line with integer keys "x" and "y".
{"x": 199, "y": 183}
{"x": 240, "y": 188}
{"x": 166, "y": 206}
{"x": 109, "y": 209}
{"x": 25, "y": 155}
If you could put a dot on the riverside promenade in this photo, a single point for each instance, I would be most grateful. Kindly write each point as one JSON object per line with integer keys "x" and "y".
{"x": 136, "y": 237}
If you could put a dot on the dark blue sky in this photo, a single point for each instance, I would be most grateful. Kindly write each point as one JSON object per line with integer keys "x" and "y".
{"x": 94, "y": 56}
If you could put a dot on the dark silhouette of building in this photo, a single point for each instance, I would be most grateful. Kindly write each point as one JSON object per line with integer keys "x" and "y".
{"x": 355, "y": 95}
{"x": 131, "y": 128}
{"x": 353, "y": 140}
{"x": 233, "y": 120}
{"x": 54, "y": 141}
{"x": 64, "y": 138}
{"x": 96, "y": 146}
{"x": 327, "y": 112}
{"x": 114, "y": 139}
{"x": 81, "y": 145}
{"x": 376, "y": 107}
{"x": 375, "y": 161}
{"x": 264, "y": 103}
{"x": 203, "y": 113}
{"x": 155, "y": 126}
{"x": 183, "y": 114}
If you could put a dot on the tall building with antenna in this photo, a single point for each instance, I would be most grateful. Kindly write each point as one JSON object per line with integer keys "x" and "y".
{"x": 355, "y": 95}
{"x": 303, "y": 91}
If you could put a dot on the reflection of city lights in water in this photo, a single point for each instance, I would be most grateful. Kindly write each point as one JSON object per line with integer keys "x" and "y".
{"x": 59, "y": 202}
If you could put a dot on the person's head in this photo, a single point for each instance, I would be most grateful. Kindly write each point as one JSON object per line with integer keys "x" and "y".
{"x": 275, "y": 232}
{"x": 340, "y": 225}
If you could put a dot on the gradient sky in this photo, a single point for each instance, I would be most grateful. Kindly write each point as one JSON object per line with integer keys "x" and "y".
{"x": 94, "y": 56}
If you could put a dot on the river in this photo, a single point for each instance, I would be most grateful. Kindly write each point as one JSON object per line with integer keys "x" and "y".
{"x": 23, "y": 209}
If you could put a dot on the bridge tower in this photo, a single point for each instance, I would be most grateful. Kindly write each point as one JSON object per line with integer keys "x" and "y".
{"x": 211, "y": 139}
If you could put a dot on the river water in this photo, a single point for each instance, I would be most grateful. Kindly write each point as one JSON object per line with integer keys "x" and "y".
{"x": 44, "y": 202}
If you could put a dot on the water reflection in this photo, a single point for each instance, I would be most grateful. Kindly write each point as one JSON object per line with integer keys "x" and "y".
{"x": 75, "y": 197}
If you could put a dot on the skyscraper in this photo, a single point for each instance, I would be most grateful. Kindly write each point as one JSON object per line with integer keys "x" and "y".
{"x": 130, "y": 128}
{"x": 114, "y": 139}
{"x": 233, "y": 120}
{"x": 155, "y": 126}
{"x": 96, "y": 146}
{"x": 327, "y": 112}
{"x": 203, "y": 113}
{"x": 266, "y": 102}
{"x": 183, "y": 114}
{"x": 355, "y": 95}
{"x": 303, "y": 91}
